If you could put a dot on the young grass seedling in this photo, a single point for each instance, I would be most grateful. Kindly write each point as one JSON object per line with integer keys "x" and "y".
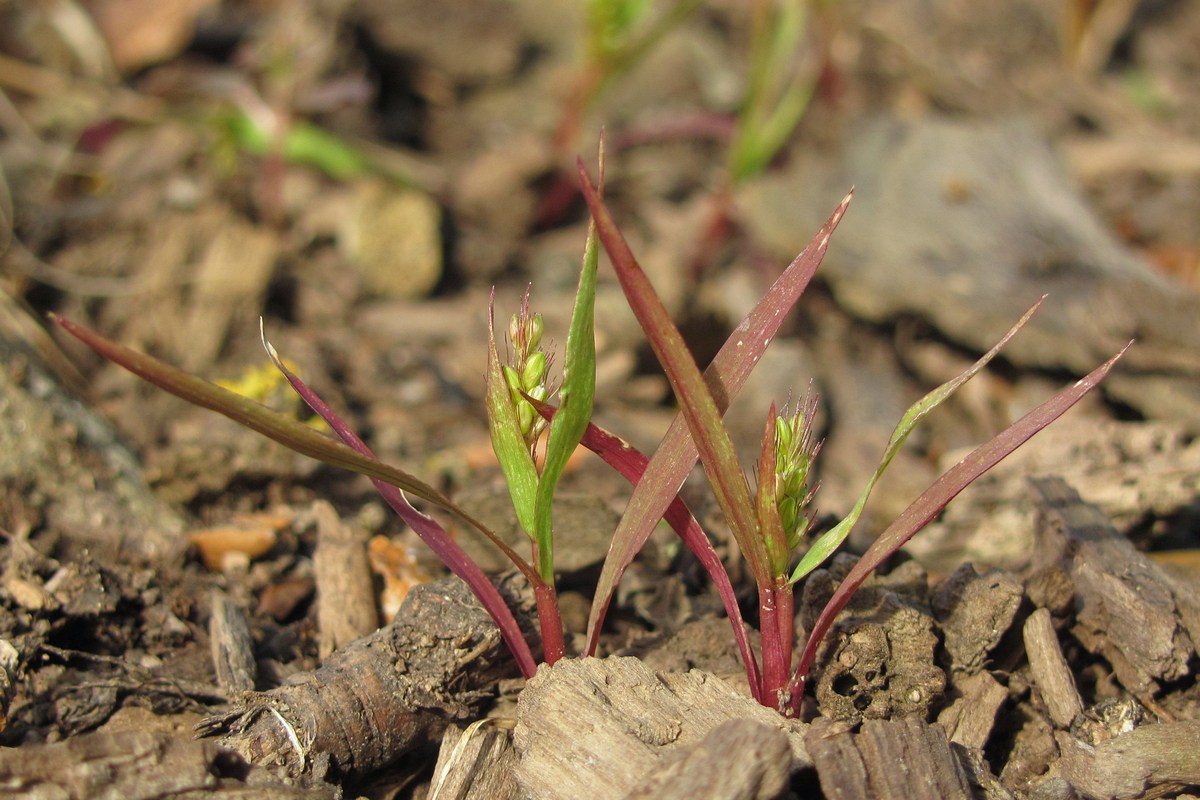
{"x": 769, "y": 524}
{"x": 786, "y": 455}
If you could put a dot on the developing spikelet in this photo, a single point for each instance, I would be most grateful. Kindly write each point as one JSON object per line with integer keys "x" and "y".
{"x": 527, "y": 370}
{"x": 795, "y": 450}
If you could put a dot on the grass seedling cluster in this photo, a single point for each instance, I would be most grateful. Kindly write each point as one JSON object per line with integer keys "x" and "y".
{"x": 770, "y": 522}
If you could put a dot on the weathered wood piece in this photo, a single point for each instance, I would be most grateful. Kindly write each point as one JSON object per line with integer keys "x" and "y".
{"x": 975, "y": 611}
{"x": 969, "y": 719}
{"x": 1151, "y": 760}
{"x": 600, "y": 728}
{"x": 232, "y": 646}
{"x": 1125, "y": 604}
{"x": 905, "y": 759}
{"x": 138, "y": 765}
{"x": 1051, "y": 673}
{"x": 737, "y": 760}
{"x": 346, "y": 607}
{"x": 1135, "y": 472}
{"x": 379, "y": 697}
{"x": 476, "y": 763}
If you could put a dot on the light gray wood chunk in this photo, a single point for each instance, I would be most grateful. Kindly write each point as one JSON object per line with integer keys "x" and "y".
{"x": 1162, "y": 757}
{"x": 969, "y": 719}
{"x": 1051, "y": 674}
{"x": 975, "y": 611}
{"x": 600, "y": 728}
{"x": 737, "y": 760}
{"x": 346, "y": 607}
{"x": 476, "y": 763}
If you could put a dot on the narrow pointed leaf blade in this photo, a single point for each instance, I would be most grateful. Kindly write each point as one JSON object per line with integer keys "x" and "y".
{"x": 676, "y": 454}
{"x": 429, "y": 529}
{"x": 824, "y": 547}
{"x": 700, "y": 410}
{"x": 289, "y": 432}
{"x": 931, "y": 502}
{"x": 576, "y": 397}
{"x": 630, "y": 463}
{"x": 305, "y": 440}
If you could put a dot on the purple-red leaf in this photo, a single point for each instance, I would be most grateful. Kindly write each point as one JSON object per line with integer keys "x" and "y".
{"x": 696, "y": 402}
{"x": 931, "y": 502}
{"x": 305, "y": 440}
{"x": 725, "y": 376}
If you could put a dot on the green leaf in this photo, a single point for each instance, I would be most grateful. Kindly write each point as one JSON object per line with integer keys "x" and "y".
{"x": 508, "y": 442}
{"x": 824, "y": 547}
{"x": 576, "y": 397}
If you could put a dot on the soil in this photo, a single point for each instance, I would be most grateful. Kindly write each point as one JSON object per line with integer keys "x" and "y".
{"x": 187, "y": 609}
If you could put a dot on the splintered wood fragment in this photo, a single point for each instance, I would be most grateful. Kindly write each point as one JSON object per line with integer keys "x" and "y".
{"x": 905, "y": 759}
{"x": 1149, "y": 761}
{"x": 138, "y": 765}
{"x": 601, "y": 729}
{"x": 737, "y": 760}
{"x": 969, "y": 719}
{"x": 1125, "y": 604}
{"x": 1051, "y": 674}
{"x": 346, "y": 608}
{"x": 232, "y": 646}
{"x": 476, "y": 763}
{"x": 379, "y": 697}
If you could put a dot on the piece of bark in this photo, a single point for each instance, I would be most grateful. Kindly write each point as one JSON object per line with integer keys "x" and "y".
{"x": 969, "y": 719}
{"x": 379, "y": 697}
{"x": 906, "y": 759}
{"x": 1051, "y": 674}
{"x": 1125, "y": 604}
{"x": 346, "y": 608}
{"x": 598, "y": 728}
{"x": 232, "y": 646}
{"x": 138, "y": 765}
{"x": 1151, "y": 760}
{"x": 476, "y": 763}
{"x": 975, "y": 611}
{"x": 737, "y": 760}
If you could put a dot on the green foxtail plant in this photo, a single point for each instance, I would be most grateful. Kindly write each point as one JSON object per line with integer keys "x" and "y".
{"x": 769, "y": 524}
{"x": 757, "y": 524}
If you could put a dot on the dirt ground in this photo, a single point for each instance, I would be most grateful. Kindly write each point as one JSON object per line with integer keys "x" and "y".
{"x": 362, "y": 173}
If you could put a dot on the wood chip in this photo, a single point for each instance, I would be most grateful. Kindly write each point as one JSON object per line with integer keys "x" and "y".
{"x": 232, "y": 646}
{"x": 617, "y": 718}
{"x": 1051, "y": 673}
{"x": 346, "y": 607}
{"x": 970, "y": 718}
{"x": 1149, "y": 761}
{"x": 1125, "y": 604}
{"x": 906, "y": 759}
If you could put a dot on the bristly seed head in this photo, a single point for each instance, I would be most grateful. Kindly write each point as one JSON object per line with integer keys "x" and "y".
{"x": 795, "y": 450}
{"x": 527, "y": 369}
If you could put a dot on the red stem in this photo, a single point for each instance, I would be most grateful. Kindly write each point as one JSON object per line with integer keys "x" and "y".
{"x": 553, "y": 645}
{"x": 775, "y": 621}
